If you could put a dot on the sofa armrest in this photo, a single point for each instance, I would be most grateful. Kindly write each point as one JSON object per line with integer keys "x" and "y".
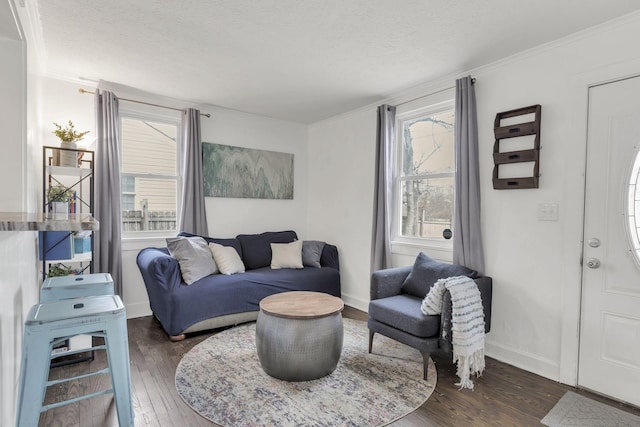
{"x": 388, "y": 282}
{"x": 485, "y": 286}
{"x": 159, "y": 270}
{"x": 329, "y": 257}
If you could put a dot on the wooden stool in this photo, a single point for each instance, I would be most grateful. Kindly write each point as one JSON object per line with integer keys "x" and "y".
{"x": 51, "y": 323}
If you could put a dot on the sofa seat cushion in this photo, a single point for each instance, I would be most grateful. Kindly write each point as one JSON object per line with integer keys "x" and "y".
{"x": 403, "y": 312}
{"x": 219, "y": 294}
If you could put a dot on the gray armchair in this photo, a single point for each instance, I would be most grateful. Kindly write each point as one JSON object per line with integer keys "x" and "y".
{"x": 396, "y": 314}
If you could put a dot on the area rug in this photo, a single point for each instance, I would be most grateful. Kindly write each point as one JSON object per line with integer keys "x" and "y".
{"x": 576, "y": 410}
{"x": 222, "y": 380}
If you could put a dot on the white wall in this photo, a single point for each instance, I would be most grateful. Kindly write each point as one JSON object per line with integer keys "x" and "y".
{"x": 18, "y": 280}
{"x": 341, "y": 182}
{"x": 229, "y": 217}
{"x": 12, "y": 123}
{"x": 61, "y": 102}
{"x": 534, "y": 264}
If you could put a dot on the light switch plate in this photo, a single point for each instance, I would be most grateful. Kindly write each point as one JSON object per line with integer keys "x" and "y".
{"x": 548, "y": 211}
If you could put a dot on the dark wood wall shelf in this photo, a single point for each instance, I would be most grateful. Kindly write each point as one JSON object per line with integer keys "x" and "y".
{"x": 520, "y": 156}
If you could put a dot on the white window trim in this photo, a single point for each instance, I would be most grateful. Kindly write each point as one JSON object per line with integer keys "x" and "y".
{"x": 429, "y": 105}
{"x": 173, "y": 119}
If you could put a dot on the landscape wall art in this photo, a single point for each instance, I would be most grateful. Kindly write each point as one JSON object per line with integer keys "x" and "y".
{"x": 246, "y": 173}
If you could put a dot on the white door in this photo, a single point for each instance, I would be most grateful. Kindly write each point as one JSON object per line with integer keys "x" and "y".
{"x": 609, "y": 361}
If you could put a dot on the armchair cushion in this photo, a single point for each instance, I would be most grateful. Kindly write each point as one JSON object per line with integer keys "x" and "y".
{"x": 403, "y": 312}
{"x": 427, "y": 271}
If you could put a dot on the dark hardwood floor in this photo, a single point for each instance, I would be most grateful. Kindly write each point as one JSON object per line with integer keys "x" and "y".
{"x": 503, "y": 396}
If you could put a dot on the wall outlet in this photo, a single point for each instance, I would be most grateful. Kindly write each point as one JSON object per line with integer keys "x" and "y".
{"x": 548, "y": 211}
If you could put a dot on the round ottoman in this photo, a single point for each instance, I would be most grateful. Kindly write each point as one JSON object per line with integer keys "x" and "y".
{"x": 299, "y": 335}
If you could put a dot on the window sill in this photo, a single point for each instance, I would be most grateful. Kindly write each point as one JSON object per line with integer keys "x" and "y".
{"x": 130, "y": 243}
{"x": 442, "y": 251}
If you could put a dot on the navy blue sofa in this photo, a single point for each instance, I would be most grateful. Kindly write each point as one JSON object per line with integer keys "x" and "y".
{"x": 219, "y": 300}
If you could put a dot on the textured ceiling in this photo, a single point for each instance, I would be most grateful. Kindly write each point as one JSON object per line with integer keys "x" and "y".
{"x": 297, "y": 60}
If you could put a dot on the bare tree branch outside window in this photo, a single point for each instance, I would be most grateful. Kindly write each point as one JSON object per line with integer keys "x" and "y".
{"x": 427, "y": 175}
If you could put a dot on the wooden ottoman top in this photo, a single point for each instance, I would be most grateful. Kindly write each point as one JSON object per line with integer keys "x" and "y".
{"x": 301, "y": 305}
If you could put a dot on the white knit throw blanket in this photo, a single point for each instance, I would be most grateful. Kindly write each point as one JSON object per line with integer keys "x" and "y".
{"x": 467, "y": 324}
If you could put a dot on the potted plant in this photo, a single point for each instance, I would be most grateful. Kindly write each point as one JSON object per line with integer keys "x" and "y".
{"x": 57, "y": 270}
{"x": 68, "y": 136}
{"x": 58, "y": 197}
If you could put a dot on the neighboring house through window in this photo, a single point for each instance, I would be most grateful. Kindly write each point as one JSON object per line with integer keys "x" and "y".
{"x": 128, "y": 193}
{"x": 149, "y": 174}
{"x": 424, "y": 175}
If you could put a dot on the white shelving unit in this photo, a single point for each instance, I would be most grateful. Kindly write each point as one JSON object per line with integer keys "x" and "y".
{"x": 85, "y": 257}
{"x": 75, "y": 174}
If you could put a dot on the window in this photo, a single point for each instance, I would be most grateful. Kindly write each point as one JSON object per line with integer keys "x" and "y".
{"x": 425, "y": 172}
{"x": 149, "y": 174}
{"x": 633, "y": 208}
{"x": 128, "y": 193}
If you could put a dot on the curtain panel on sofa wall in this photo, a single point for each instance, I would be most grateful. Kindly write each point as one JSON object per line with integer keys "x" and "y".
{"x": 193, "y": 217}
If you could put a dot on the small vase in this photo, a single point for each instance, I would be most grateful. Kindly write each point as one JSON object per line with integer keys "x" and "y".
{"x": 60, "y": 210}
{"x": 69, "y": 158}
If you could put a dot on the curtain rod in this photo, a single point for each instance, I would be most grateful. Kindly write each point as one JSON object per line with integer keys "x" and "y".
{"x": 473, "y": 80}
{"x": 145, "y": 103}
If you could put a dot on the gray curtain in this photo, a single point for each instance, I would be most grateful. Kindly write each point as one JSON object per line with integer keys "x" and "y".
{"x": 467, "y": 238}
{"x": 194, "y": 217}
{"x": 382, "y": 198}
{"x": 108, "y": 255}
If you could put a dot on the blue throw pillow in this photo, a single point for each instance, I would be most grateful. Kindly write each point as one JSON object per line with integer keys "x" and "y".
{"x": 427, "y": 271}
{"x": 256, "y": 248}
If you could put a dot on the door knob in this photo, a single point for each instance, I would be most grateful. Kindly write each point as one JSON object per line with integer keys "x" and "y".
{"x": 593, "y": 263}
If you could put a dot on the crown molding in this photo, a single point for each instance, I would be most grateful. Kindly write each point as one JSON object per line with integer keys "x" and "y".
{"x": 82, "y": 81}
{"x": 31, "y": 27}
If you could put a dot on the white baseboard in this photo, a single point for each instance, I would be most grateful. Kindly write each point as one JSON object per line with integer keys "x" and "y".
{"x": 354, "y": 302}
{"x": 529, "y": 362}
{"x": 139, "y": 309}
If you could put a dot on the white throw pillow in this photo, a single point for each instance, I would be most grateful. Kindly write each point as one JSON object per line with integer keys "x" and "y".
{"x": 286, "y": 255}
{"x": 194, "y": 257}
{"x": 227, "y": 259}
